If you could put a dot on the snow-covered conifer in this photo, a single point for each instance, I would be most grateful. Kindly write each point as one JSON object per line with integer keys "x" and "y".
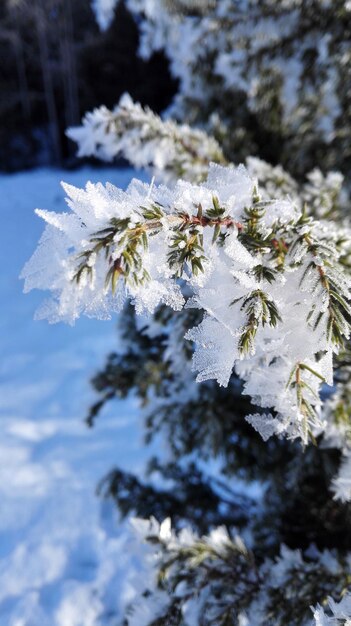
{"x": 240, "y": 273}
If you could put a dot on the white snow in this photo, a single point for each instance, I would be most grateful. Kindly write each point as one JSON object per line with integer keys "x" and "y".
{"x": 61, "y": 557}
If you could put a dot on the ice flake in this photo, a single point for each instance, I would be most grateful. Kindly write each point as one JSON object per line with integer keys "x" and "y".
{"x": 219, "y": 539}
{"x": 288, "y": 560}
{"x": 265, "y": 424}
{"x": 216, "y": 351}
{"x": 165, "y": 532}
{"x": 339, "y": 613}
{"x": 238, "y": 253}
{"x": 233, "y": 185}
{"x": 280, "y": 211}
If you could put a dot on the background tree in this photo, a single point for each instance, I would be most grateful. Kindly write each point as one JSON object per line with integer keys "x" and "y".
{"x": 56, "y": 64}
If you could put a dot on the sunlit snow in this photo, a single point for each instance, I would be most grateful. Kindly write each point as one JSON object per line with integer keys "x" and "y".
{"x": 60, "y": 553}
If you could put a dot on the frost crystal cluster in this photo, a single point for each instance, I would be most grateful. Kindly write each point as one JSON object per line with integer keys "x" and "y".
{"x": 267, "y": 276}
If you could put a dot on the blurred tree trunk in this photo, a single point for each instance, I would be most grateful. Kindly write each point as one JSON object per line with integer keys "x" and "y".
{"x": 22, "y": 78}
{"x": 11, "y": 32}
{"x": 42, "y": 34}
{"x": 68, "y": 63}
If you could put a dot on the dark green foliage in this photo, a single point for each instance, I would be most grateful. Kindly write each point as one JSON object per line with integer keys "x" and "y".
{"x": 328, "y": 275}
{"x": 261, "y": 272}
{"x": 128, "y": 264}
{"x": 297, "y": 507}
{"x": 309, "y": 514}
{"x": 139, "y": 368}
{"x": 259, "y": 309}
{"x": 205, "y": 501}
{"x": 231, "y": 579}
{"x": 186, "y": 248}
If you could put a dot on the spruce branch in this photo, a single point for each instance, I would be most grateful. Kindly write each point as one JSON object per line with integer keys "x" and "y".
{"x": 241, "y": 258}
{"x": 260, "y": 310}
{"x": 306, "y": 398}
{"x": 186, "y": 244}
{"x": 336, "y": 290}
{"x": 169, "y": 149}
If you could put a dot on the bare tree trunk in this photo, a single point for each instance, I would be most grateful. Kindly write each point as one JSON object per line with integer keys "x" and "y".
{"x": 73, "y": 67}
{"x": 47, "y": 80}
{"x": 22, "y": 76}
{"x": 69, "y": 69}
{"x": 12, "y": 33}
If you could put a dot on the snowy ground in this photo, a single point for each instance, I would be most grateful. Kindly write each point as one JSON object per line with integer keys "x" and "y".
{"x": 61, "y": 562}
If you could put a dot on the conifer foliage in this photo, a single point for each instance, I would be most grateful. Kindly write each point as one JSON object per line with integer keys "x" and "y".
{"x": 233, "y": 282}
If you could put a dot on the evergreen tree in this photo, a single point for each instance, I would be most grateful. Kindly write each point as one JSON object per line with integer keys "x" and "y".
{"x": 243, "y": 276}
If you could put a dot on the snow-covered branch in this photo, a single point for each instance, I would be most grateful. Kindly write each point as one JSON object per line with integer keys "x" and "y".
{"x": 289, "y": 60}
{"x": 139, "y": 135}
{"x": 104, "y": 11}
{"x": 216, "y": 580}
{"x": 266, "y": 275}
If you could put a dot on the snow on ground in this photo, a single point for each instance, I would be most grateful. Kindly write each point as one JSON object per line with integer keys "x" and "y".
{"x": 61, "y": 557}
